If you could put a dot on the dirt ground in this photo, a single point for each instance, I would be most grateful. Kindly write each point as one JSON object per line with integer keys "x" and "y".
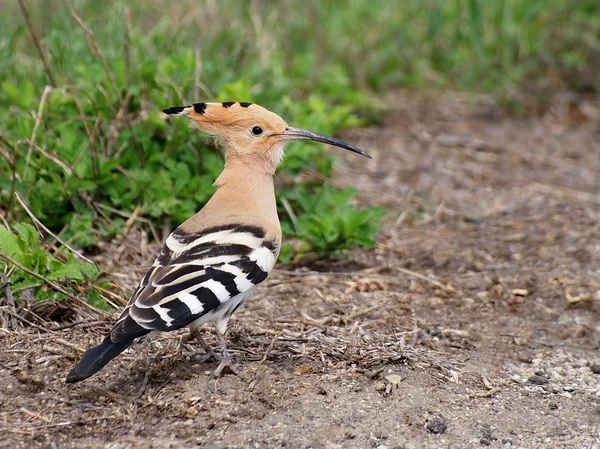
{"x": 474, "y": 323}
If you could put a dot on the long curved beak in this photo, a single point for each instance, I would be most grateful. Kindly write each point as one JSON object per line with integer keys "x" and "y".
{"x": 302, "y": 134}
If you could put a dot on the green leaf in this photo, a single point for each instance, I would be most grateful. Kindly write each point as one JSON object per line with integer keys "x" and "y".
{"x": 74, "y": 271}
{"x": 9, "y": 242}
{"x": 30, "y": 237}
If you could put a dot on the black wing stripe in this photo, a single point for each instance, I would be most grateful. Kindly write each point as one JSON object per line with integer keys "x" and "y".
{"x": 256, "y": 231}
{"x": 226, "y": 279}
{"x": 271, "y": 246}
{"x": 210, "y": 250}
{"x": 173, "y": 273}
{"x": 127, "y": 330}
{"x": 150, "y": 297}
{"x": 164, "y": 258}
{"x": 186, "y": 238}
{"x": 179, "y": 312}
{"x": 149, "y": 275}
{"x": 208, "y": 299}
{"x": 253, "y": 272}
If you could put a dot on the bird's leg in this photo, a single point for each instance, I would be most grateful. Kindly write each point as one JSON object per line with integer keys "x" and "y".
{"x": 225, "y": 358}
{"x": 182, "y": 340}
{"x": 209, "y": 353}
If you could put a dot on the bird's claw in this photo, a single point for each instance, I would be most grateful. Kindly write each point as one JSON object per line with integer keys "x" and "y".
{"x": 206, "y": 357}
{"x": 225, "y": 363}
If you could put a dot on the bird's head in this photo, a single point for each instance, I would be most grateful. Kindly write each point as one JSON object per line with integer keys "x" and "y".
{"x": 249, "y": 131}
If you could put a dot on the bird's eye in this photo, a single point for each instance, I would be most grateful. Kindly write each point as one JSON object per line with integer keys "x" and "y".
{"x": 257, "y": 130}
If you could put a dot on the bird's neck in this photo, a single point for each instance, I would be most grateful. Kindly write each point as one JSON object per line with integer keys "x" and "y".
{"x": 245, "y": 187}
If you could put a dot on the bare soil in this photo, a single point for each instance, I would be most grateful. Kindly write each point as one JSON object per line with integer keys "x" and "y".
{"x": 474, "y": 323}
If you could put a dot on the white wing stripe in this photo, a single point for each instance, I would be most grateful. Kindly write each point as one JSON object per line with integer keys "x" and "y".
{"x": 166, "y": 299}
{"x": 163, "y": 313}
{"x": 192, "y": 302}
{"x": 210, "y": 260}
{"x": 264, "y": 258}
{"x": 241, "y": 281}
{"x": 240, "y": 238}
{"x": 218, "y": 289}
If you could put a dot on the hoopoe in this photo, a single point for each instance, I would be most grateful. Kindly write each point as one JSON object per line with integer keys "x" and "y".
{"x": 213, "y": 262}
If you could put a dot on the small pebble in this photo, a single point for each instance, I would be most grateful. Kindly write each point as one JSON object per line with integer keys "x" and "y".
{"x": 394, "y": 379}
{"x": 437, "y": 425}
{"x": 486, "y": 435}
{"x": 536, "y": 379}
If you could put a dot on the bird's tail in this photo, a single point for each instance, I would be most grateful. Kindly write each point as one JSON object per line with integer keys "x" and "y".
{"x": 96, "y": 358}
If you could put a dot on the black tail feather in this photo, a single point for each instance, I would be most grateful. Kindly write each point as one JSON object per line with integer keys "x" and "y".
{"x": 96, "y": 358}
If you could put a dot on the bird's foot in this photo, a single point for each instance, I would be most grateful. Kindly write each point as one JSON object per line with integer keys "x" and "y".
{"x": 208, "y": 351}
{"x": 226, "y": 364}
{"x": 225, "y": 359}
{"x": 202, "y": 358}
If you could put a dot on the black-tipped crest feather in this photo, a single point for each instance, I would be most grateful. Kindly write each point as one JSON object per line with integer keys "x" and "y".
{"x": 174, "y": 110}
{"x": 199, "y": 108}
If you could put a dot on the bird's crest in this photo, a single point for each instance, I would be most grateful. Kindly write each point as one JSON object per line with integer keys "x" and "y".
{"x": 227, "y": 113}
{"x": 232, "y": 122}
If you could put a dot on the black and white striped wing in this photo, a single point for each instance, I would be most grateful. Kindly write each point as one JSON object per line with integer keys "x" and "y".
{"x": 197, "y": 274}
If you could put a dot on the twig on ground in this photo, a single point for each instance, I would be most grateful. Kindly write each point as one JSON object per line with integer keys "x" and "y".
{"x": 67, "y": 344}
{"x": 40, "y": 224}
{"x": 313, "y": 321}
{"x": 35, "y": 415}
{"x": 142, "y": 388}
{"x": 67, "y": 423}
{"x": 10, "y": 300}
{"x": 486, "y": 394}
{"x": 128, "y": 216}
{"x": 80, "y": 323}
{"x": 438, "y": 284}
{"x": 24, "y": 320}
{"x": 269, "y": 349}
{"x": 360, "y": 313}
{"x": 565, "y": 193}
{"x": 122, "y": 301}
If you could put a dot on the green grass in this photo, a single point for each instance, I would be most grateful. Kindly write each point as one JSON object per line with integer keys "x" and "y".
{"x": 30, "y": 267}
{"x": 95, "y": 148}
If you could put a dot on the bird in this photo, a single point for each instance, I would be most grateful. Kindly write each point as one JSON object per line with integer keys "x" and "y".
{"x": 210, "y": 264}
